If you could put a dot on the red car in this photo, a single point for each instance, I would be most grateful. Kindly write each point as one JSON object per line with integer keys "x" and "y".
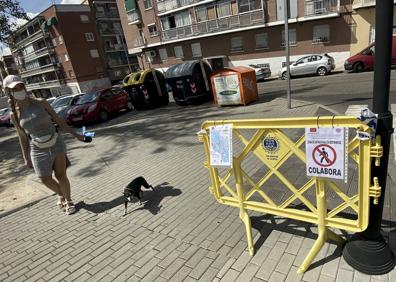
{"x": 98, "y": 105}
{"x": 364, "y": 60}
{"x": 5, "y": 119}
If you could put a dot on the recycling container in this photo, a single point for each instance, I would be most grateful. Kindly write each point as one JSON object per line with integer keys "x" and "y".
{"x": 234, "y": 86}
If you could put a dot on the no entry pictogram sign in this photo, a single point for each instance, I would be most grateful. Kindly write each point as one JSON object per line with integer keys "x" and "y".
{"x": 324, "y": 155}
{"x": 325, "y": 152}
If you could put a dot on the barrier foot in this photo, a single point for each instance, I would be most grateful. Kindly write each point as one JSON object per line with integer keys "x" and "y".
{"x": 248, "y": 226}
{"x": 312, "y": 253}
{"x": 335, "y": 237}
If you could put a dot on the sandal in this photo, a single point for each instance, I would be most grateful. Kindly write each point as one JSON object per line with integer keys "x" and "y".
{"x": 61, "y": 203}
{"x": 70, "y": 207}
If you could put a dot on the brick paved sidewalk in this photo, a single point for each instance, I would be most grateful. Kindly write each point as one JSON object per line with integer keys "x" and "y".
{"x": 180, "y": 233}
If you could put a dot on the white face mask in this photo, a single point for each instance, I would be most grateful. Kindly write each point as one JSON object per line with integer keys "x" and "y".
{"x": 19, "y": 95}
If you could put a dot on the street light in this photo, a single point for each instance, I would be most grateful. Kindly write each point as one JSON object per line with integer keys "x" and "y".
{"x": 367, "y": 251}
{"x": 286, "y": 8}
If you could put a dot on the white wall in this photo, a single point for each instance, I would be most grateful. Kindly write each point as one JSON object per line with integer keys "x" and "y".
{"x": 276, "y": 62}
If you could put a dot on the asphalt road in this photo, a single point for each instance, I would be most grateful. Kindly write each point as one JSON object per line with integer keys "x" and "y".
{"x": 337, "y": 91}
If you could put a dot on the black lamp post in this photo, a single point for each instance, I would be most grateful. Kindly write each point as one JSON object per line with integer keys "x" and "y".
{"x": 368, "y": 252}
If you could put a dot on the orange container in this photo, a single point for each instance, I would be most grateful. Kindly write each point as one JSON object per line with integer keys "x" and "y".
{"x": 234, "y": 86}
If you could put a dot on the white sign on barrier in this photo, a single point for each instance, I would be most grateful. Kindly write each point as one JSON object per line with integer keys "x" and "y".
{"x": 326, "y": 152}
{"x": 221, "y": 145}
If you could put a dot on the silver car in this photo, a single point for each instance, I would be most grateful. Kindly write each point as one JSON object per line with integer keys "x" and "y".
{"x": 63, "y": 103}
{"x": 320, "y": 64}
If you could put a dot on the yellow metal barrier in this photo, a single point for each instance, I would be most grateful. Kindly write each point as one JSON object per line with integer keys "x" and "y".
{"x": 246, "y": 189}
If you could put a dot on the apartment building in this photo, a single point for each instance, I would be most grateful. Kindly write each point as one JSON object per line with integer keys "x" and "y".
{"x": 234, "y": 32}
{"x": 364, "y": 24}
{"x": 119, "y": 62}
{"x": 8, "y": 65}
{"x": 58, "y": 52}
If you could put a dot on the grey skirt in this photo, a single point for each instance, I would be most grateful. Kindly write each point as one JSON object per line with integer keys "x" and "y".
{"x": 43, "y": 159}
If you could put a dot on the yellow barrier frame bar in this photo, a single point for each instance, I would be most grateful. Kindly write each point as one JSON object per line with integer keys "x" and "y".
{"x": 318, "y": 216}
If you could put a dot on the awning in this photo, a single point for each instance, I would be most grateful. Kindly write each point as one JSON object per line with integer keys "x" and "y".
{"x": 130, "y": 5}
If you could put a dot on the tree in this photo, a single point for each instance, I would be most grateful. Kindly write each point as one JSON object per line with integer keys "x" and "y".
{"x": 10, "y": 11}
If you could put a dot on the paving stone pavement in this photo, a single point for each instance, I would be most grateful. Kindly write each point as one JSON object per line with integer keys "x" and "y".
{"x": 180, "y": 233}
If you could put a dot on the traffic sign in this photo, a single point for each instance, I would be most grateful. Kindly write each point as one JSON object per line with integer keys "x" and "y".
{"x": 325, "y": 152}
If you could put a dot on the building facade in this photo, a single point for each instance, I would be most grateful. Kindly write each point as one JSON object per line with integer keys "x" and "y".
{"x": 364, "y": 24}
{"x": 58, "y": 52}
{"x": 119, "y": 62}
{"x": 234, "y": 32}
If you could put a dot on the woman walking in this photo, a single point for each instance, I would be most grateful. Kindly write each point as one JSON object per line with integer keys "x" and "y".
{"x": 41, "y": 144}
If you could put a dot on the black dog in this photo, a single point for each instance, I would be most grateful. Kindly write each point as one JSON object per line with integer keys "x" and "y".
{"x": 134, "y": 189}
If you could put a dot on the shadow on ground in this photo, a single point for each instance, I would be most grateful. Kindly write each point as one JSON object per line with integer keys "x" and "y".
{"x": 151, "y": 201}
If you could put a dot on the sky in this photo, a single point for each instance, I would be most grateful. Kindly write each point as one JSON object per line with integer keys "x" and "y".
{"x": 32, "y": 8}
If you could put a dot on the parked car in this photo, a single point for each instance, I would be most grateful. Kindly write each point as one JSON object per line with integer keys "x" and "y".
{"x": 98, "y": 105}
{"x": 51, "y": 100}
{"x": 5, "y": 119}
{"x": 320, "y": 64}
{"x": 63, "y": 103}
{"x": 364, "y": 60}
{"x": 261, "y": 72}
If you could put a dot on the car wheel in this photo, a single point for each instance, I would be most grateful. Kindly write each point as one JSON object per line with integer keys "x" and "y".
{"x": 103, "y": 116}
{"x": 284, "y": 75}
{"x": 322, "y": 71}
{"x": 358, "y": 67}
{"x": 129, "y": 106}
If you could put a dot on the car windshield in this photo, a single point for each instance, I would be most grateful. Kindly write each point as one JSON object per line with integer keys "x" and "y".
{"x": 3, "y": 111}
{"x": 88, "y": 98}
{"x": 61, "y": 102}
{"x": 254, "y": 66}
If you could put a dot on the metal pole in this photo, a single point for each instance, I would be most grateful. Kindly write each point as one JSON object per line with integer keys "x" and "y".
{"x": 367, "y": 251}
{"x": 286, "y": 8}
{"x": 125, "y": 50}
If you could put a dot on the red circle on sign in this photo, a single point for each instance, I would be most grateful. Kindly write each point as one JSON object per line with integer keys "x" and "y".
{"x": 329, "y": 161}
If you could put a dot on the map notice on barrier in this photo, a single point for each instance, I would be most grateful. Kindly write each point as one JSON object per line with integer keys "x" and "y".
{"x": 325, "y": 151}
{"x": 221, "y": 145}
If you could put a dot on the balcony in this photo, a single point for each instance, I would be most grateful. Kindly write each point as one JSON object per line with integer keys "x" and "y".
{"x": 321, "y": 7}
{"x": 114, "y": 48}
{"x": 31, "y": 38}
{"x": 139, "y": 42}
{"x": 39, "y": 70}
{"x": 169, "y": 5}
{"x": 214, "y": 26}
{"x": 133, "y": 17}
{"x": 107, "y": 15}
{"x": 43, "y": 84}
{"x": 38, "y": 54}
{"x": 357, "y": 4}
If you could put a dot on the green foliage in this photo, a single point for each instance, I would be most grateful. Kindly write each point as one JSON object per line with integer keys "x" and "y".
{"x": 10, "y": 11}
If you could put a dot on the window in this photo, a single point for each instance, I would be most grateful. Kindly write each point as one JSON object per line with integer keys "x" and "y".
{"x": 321, "y": 33}
{"x": 292, "y": 38}
{"x": 71, "y": 74}
{"x": 248, "y": 5}
{"x": 66, "y": 57}
{"x": 147, "y": 4}
{"x": 94, "y": 53}
{"x": 99, "y": 69}
{"x": 201, "y": 14}
{"x": 179, "y": 52}
{"x": 153, "y": 30}
{"x": 163, "y": 54}
{"x": 84, "y": 18}
{"x": 236, "y": 44}
{"x": 261, "y": 41}
{"x": 60, "y": 59}
{"x": 54, "y": 42}
{"x": 224, "y": 9}
{"x": 60, "y": 39}
{"x": 89, "y": 36}
{"x": 196, "y": 50}
{"x": 178, "y": 20}
{"x": 315, "y": 58}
